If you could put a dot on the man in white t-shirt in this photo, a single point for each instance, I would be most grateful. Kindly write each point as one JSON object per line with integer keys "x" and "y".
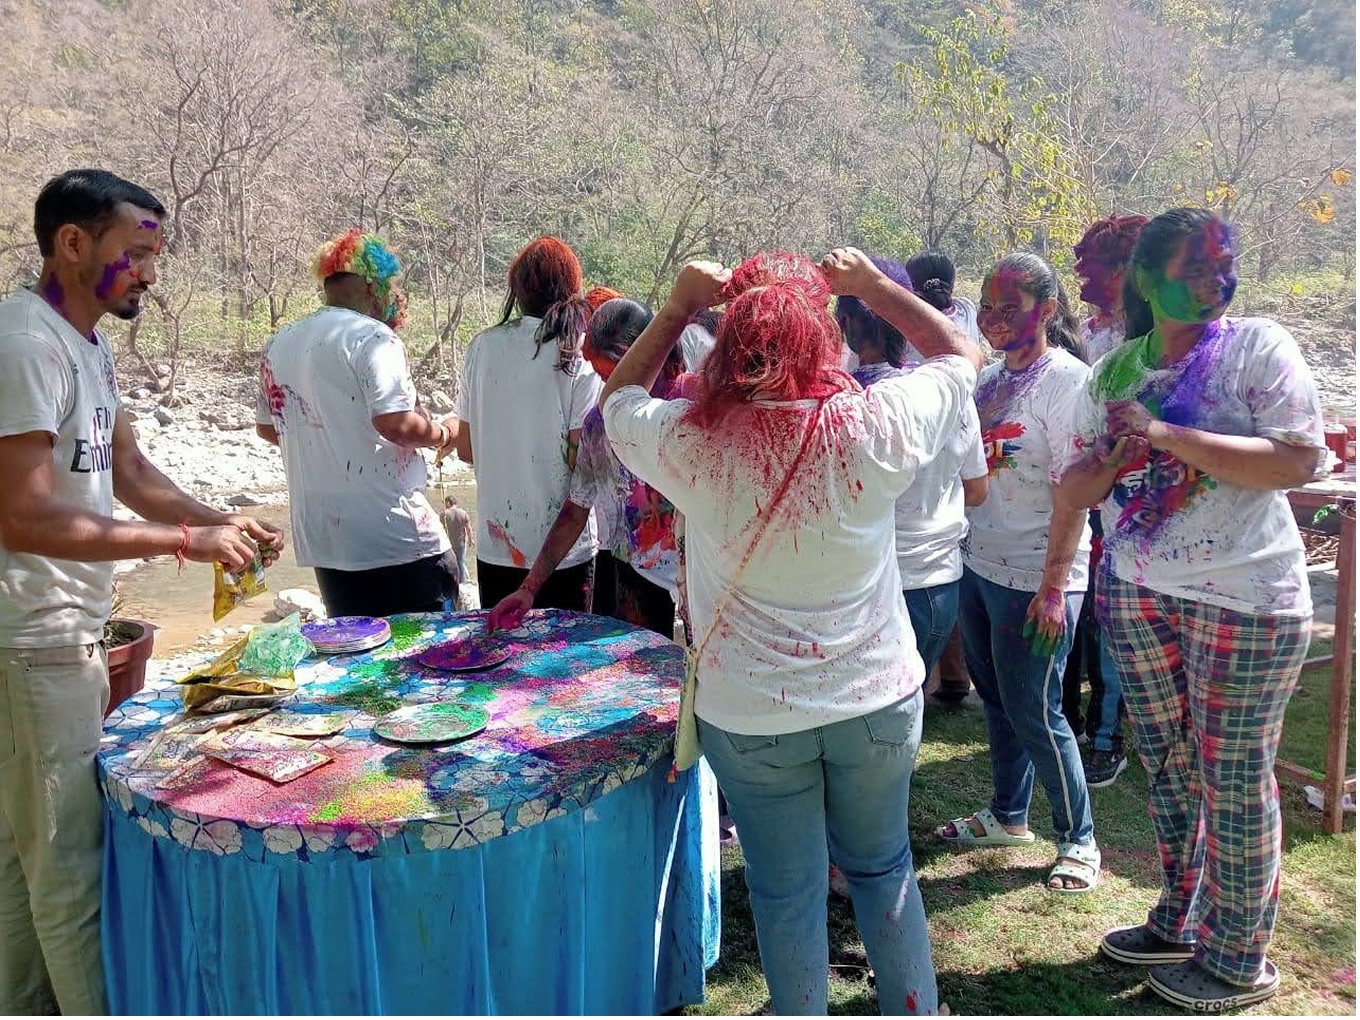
{"x": 336, "y": 396}
{"x": 66, "y": 449}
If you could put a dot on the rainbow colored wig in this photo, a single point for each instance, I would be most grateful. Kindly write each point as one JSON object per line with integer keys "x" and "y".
{"x": 366, "y": 256}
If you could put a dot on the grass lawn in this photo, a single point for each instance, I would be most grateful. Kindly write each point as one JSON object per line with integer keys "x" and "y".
{"x": 1003, "y": 945}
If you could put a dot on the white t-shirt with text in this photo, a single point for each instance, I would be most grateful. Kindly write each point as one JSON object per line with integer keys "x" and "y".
{"x": 1180, "y": 531}
{"x": 1026, "y": 420}
{"x": 521, "y": 408}
{"x": 815, "y": 630}
{"x": 357, "y": 501}
{"x": 54, "y": 380}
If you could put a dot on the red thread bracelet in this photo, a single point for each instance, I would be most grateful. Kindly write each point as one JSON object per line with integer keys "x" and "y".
{"x": 182, "y": 553}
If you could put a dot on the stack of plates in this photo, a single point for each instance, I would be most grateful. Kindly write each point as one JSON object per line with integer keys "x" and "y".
{"x": 345, "y": 635}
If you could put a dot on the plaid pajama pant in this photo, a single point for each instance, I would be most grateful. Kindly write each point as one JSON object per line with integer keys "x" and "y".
{"x": 1206, "y": 690}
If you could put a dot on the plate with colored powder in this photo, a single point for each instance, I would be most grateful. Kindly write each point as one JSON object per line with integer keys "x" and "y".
{"x": 467, "y": 655}
{"x": 347, "y": 634}
{"x": 436, "y": 723}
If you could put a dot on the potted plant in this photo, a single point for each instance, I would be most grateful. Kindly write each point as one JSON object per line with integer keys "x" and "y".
{"x": 128, "y": 644}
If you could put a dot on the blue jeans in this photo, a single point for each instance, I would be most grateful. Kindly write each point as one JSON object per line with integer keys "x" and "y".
{"x": 933, "y": 612}
{"x": 843, "y": 786}
{"x": 1022, "y": 694}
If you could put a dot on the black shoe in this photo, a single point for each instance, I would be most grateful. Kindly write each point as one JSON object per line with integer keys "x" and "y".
{"x": 1193, "y": 988}
{"x": 1103, "y": 768}
{"x": 1141, "y": 946}
{"x": 951, "y": 694}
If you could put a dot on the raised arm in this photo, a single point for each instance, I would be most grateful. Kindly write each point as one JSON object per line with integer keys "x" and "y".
{"x": 697, "y": 287}
{"x": 931, "y": 332}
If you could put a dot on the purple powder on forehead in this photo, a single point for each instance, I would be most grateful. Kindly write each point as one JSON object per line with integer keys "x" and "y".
{"x": 148, "y": 225}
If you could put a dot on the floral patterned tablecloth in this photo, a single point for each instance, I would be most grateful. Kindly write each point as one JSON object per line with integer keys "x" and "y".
{"x": 584, "y": 705}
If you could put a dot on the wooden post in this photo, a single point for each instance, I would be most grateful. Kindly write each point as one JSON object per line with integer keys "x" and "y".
{"x": 1339, "y": 695}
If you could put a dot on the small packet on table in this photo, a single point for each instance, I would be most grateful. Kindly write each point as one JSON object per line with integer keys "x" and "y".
{"x": 169, "y": 750}
{"x": 277, "y": 758}
{"x": 303, "y": 724}
{"x": 230, "y": 590}
{"x": 222, "y": 685}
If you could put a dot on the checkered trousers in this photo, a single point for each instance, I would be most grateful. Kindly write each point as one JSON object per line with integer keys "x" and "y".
{"x": 1206, "y": 690}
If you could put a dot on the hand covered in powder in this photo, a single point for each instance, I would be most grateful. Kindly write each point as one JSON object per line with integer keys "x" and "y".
{"x": 699, "y": 286}
{"x": 509, "y": 611}
{"x": 850, "y": 272}
{"x": 1120, "y": 453}
{"x": 1045, "y": 621}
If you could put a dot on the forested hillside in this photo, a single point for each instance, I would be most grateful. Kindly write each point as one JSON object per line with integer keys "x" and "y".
{"x": 648, "y": 133}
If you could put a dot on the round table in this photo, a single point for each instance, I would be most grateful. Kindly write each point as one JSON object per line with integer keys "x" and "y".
{"x": 545, "y": 865}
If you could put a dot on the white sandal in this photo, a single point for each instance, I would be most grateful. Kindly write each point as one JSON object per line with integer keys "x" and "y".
{"x": 994, "y": 833}
{"x": 1082, "y": 863}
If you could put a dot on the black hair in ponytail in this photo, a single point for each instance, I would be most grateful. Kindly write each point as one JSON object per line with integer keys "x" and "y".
{"x": 1040, "y": 280}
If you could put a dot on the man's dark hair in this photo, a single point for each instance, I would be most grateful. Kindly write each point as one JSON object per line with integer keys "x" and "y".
{"x": 88, "y": 199}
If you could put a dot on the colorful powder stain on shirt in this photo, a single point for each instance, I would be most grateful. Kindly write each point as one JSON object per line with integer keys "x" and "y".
{"x": 999, "y": 446}
{"x": 1155, "y": 488}
{"x": 498, "y": 532}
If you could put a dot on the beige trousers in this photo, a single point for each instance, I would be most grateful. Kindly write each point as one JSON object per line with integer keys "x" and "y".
{"x": 52, "y": 704}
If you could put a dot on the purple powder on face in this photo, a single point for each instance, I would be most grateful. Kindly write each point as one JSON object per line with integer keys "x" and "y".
{"x": 148, "y": 225}
{"x": 112, "y": 271}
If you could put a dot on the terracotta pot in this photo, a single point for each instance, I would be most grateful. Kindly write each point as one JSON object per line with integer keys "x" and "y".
{"x": 127, "y": 663}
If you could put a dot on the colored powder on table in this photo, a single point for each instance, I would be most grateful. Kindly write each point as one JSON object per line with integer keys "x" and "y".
{"x": 406, "y": 634}
{"x": 374, "y": 798}
{"x": 368, "y": 687}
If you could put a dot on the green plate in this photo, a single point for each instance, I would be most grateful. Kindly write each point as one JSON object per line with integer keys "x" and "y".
{"x": 435, "y": 723}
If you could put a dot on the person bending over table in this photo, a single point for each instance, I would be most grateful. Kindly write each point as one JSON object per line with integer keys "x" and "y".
{"x": 67, "y": 448}
{"x": 809, "y": 692}
{"x": 1188, "y": 436}
{"x": 337, "y": 397}
{"x": 525, "y": 395}
{"x": 635, "y": 522}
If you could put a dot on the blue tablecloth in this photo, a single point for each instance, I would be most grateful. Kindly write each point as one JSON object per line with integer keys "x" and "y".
{"x": 543, "y": 866}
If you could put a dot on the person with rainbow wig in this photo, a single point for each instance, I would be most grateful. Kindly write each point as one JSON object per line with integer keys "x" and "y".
{"x": 336, "y": 396}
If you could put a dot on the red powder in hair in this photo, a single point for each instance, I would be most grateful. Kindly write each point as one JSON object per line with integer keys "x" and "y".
{"x": 777, "y": 342}
{"x": 543, "y": 274}
{"x": 1111, "y": 240}
{"x": 774, "y": 267}
{"x": 597, "y": 296}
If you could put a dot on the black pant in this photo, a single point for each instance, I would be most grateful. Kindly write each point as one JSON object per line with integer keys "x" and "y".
{"x": 419, "y": 587}
{"x": 604, "y": 598}
{"x": 641, "y": 602}
{"x": 567, "y": 588}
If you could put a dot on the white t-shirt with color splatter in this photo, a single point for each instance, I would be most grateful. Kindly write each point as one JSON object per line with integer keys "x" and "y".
{"x": 1179, "y": 531}
{"x": 634, "y": 521}
{"x": 1101, "y": 340}
{"x": 521, "y": 407}
{"x": 356, "y": 500}
{"x": 1026, "y": 419}
{"x": 816, "y": 630}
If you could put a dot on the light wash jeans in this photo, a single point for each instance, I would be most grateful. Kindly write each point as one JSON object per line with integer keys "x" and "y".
{"x": 934, "y": 611}
{"x": 1022, "y": 694}
{"x": 52, "y": 704}
{"x": 844, "y": 786}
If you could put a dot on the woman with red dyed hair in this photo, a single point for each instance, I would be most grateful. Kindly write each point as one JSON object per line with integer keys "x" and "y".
{"x": 526, "y": 392}
{"x": 809, "y": 693}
